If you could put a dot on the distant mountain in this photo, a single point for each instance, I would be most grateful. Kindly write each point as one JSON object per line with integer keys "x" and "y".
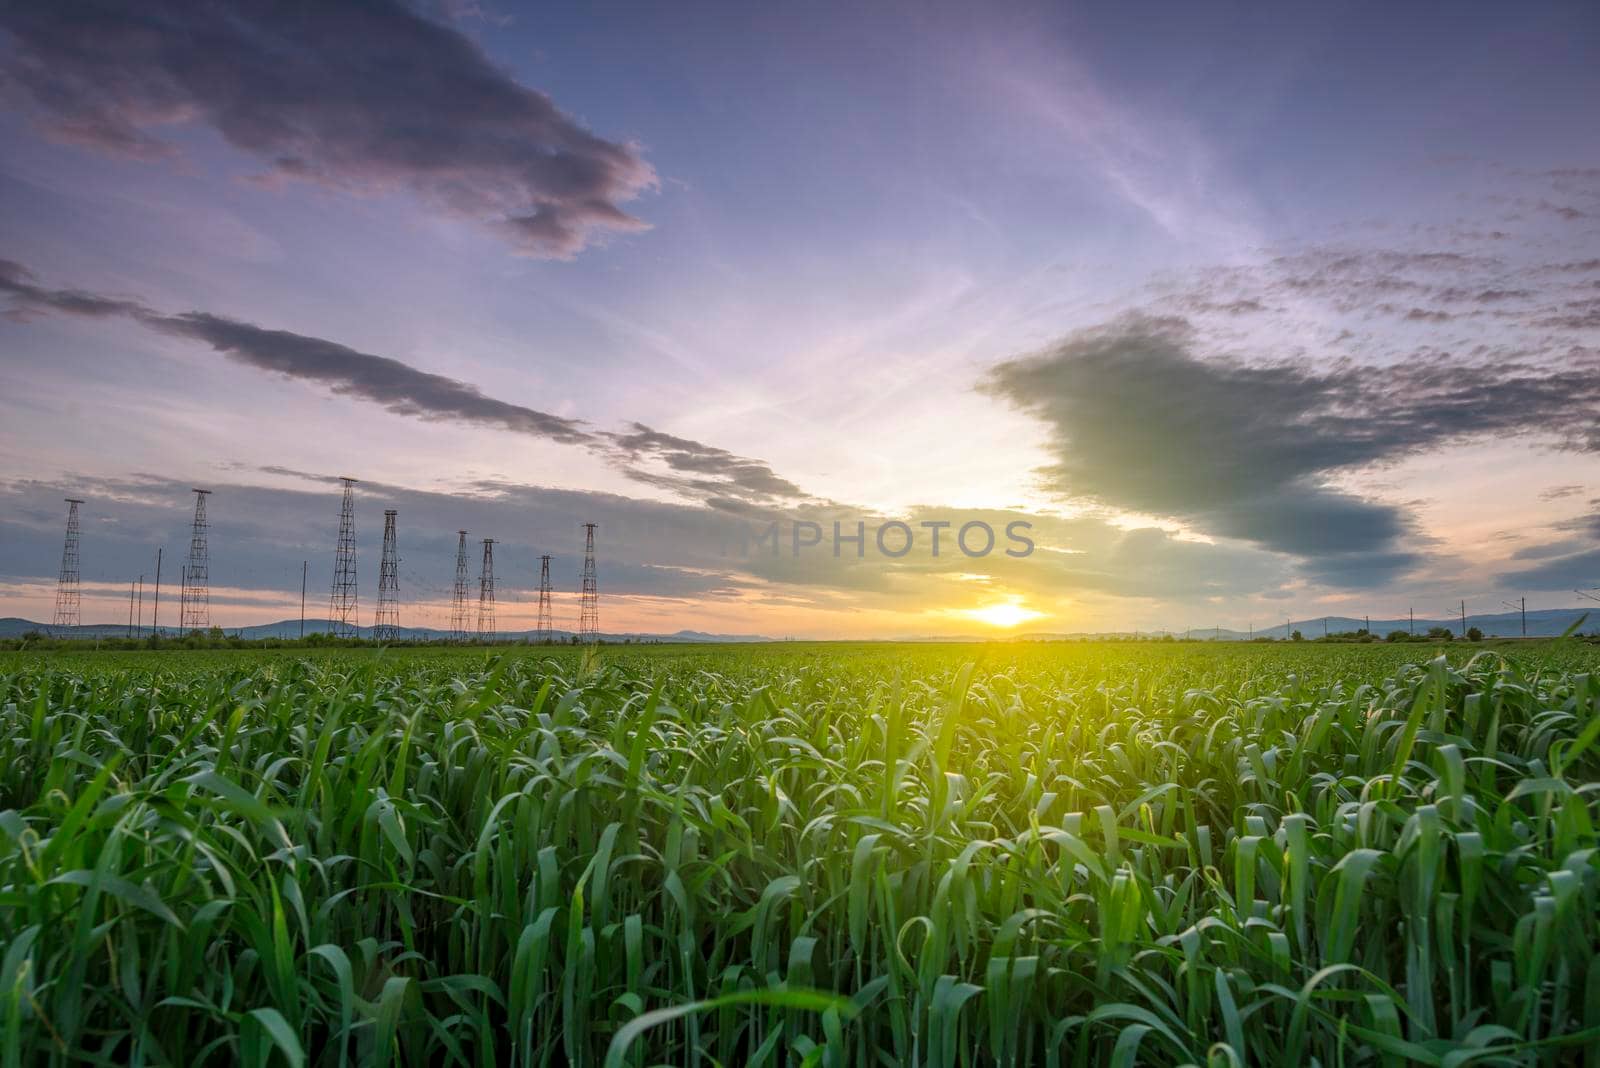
{"x": 1543, "y": 623}
{"x": 12, "y": 627}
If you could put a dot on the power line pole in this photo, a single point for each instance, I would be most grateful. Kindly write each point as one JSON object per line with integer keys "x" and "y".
{"x": 194, "y": 602}
{"x": 546, "y": 624}
{"x": 155, "y": 609}
{"x": 138, "y": 629}
{"x": 130, "y": 608}
{"x": 1413, "y": 625}
{"x": 589, "y": 599}
{"x": 304, "y": 565}
{"x": 387, "y": 626}
{"x": 1463, "y": 619}
{"x": 486, "y": 593}
{"x": 458, "y": 605}
{"x": 342, "y": 619}
{"x": 68, "y": 597}
{"x": 1520, "y": 606}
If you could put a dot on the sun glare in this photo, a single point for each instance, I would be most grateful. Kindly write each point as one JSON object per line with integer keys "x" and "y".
{"x": 1004, "y": 614}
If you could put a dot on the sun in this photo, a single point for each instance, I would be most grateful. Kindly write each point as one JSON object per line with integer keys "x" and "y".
{"x": 1003, "y": 614}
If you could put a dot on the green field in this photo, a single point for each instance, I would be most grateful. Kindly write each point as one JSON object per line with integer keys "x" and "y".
{"x": 802, "y": 854}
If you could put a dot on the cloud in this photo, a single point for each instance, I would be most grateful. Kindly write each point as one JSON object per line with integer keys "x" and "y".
{"x": 695, "y": 468}
{"x": 397, "y": 386}
{"x": 1574, "y": 571}
{"x": 1556, "y": 493}
{"x": 19, "y": 283}
{"x": 1139, "y": 421}
{"x": 368, "y": 98}
{"x": 692, "y": 469}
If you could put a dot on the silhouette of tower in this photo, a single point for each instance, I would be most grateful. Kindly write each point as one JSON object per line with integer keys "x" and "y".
{"x": 342, "y": 600}
{"x": 486, "y": 593}
{"x": 546, "y": 624}
{"x": 194, "y": 604}
{"x": 386, "y": 628}
{"x": 458, "y": 606}
{"x": 67, "y": 593}
{"x": 589, "y": 601}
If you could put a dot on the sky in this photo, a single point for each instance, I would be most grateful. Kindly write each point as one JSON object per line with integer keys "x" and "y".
{"x": 1244, "y": 313}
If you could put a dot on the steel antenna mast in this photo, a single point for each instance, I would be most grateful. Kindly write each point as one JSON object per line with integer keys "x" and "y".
{"x": 194, "y": 604}
{"x": 546, "y": 624}
{"x": 458, "y": 603}
{"x": 386, "y": 628}
{"x": 486, "y": 631}
{"x": 342, "y": 597}
{"x": 589, "y": 599}
{"x": 68, "y": 596}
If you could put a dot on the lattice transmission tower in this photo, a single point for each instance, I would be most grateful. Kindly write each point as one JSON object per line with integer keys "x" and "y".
{"x": 342, "y": 600}
{"x": 67, "y": 592}
{"x": 386, "y": 628}
{"x": 458, "y": 605}
{"x": 486, "y": 593}
{"x": 194, "y": 604}
{"x": 589, "y": 601}
{"x": 544, "y": 630}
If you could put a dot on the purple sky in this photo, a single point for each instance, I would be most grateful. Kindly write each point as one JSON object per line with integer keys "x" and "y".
{"x": 1250, "y": 312}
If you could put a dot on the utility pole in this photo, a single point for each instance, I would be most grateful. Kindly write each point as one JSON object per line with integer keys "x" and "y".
{"x": 155, "y": 611}
{"x": 304, "y": 564}
{"x": 130, "y": 609}
{"x": 1413, "y": 625}
{"x": 1463, "y": 619}
{"x": 1324, "y": 626}
{"x": 138, "y": 629}
{"x": 1521, "y": 606}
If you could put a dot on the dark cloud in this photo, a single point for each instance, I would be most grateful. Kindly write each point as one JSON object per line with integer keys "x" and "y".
{"x": 690, "y": 468}
{"x": 703, "y": 471}
{"x": 19, "y": 283}
{"x": 1575, "y": 571}
{"x": 1139, "y": 421}
{"x": 367, "y": 97}
{"x": 398, "y": 387}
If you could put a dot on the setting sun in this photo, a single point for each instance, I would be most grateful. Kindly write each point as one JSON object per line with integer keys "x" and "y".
{"x": 1005, "y": 614}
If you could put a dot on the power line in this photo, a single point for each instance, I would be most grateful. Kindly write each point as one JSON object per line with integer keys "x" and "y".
{"x": 1520, "y": 606}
